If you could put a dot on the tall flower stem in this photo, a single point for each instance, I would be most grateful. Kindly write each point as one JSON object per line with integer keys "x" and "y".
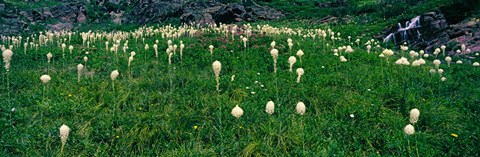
{"x": 8, "y": 87}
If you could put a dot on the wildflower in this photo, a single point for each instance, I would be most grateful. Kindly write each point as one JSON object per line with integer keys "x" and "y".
{"x": 79, "y": 71}
{"x": 270, "y": 107}
{"x": 387, "y": 52}
{"x": 476, "y": 64}
{"x": 237, "y": 112}
{"x": 448, "y": 59}
{"x": 45, "y": 78}
{"x": 454, "y": 135}
{"x": 49, "y": 57}
{"x": 459, "y": 62}
{"x": 300, "y": 72}
{"x": 211, "y": 49}
{"x": 300, "y": 54}
{"x": 274, "y": 53}
{"x": 273, "y": 44}
{"x": 217, "y": 67}
{"x": 409, "y": 129}
{"x": 437, "y": 63}
{"x": 443, "y": 79}
{"x": 414, "y": 114}
{"x": 7, "y": 56}
{"x": 64, "y": 131}
{"x": 233, "y": 78}
{"x": 349, "y": 49}
{"x": 291, "y": 61}
{"x": 195, "y": 127}
{"x": 300, "y": 108}
{"x": 432, "y": 71}
{"x": 440, "y": 72}
{"x": 343, "y": 59}
{"x": 114, "y": 74}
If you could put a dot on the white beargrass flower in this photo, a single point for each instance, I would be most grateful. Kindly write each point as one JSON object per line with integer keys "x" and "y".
{"x": 414, "y": 114}
{"x": 443, "y": 47}
{"x": 476, "y": 64}
{"x": 440, "y": 72}
{"x": 49, "y": 57}
{"x": 7, "y": 56}
{"x": 436, "y": 62}
{"x": 300, "y": 108}
{"x": 349, "y": 49}
{"x": 290, "y": 46}
{"x": 273, "y": 44}
{"x": 412, "y": 54}
{"x": 425, "y": 55}
{"x": 232, "y": 78}
{"x": 463, "y": 47}
{"x": 70, "y": 48}
{"x": 170, "y": 58}
{"x": 300, "y": 54}
{"x": 291, "y": 61}
{"x": 155, "y": 48}
{"x": 217, "y": 67}
{"x": 182, "y": 46}
{"x": 343, "y": 59}
{"x": 274, "y": 54}
{"x": 114, "y": 75}
{"x": 368, "y": 48}
{"x": 45, "y": 78}
{"x": 387, "y": 53}
{"x": 432, "y": 71}
{"x": 459, "y": 62}
{"x": 245, "y": 42}
{"x": 211, "y": 49}
{"x": 437, "y": 51}
{"x": 402, "y": 61}
{"x": 409, "y": 129}
{"x": 79, "y": 71}
{"x": 237, "y": 112}
{"x": 443, "y": 79}
{"x": 64, "y": 131}
{"x": 300, "y": 72}
{"x": 270, "y": 107}
{"x": 449, "y": 60}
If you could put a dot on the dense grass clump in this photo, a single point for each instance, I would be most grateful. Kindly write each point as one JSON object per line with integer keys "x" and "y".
{"x": 170, "y": 106}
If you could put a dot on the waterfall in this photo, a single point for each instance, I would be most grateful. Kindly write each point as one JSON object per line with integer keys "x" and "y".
{"x": 405, "y": 32}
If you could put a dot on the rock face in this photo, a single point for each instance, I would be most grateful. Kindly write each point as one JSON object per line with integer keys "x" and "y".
{"x": 431, "y": 30}
{"x": 214, "y": 12}
{"x": 71, "y": 13}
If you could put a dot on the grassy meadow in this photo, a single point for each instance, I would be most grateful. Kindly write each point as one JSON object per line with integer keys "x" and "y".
{"x": 355, "y": 107}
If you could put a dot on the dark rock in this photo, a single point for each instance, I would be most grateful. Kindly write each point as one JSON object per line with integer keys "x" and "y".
{"x": 230, "y": 13}
{"x": 81, "y": 18}
{"x": 2, "y": 7}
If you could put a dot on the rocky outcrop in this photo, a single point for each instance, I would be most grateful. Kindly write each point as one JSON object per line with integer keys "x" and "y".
{"x": 431, "y": 30}
{"x": 57, "y": 18}
{"x": 71, "y": 13}
{"x": 214, "y": 12}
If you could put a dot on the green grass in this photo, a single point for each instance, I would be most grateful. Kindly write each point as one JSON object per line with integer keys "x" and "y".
{"x": 21, "y": 4}
{"x": 142, "y": 118}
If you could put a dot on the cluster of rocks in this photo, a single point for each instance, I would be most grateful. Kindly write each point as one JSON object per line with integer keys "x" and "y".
{"x": 71, "y": 13}
{"x": 214, "y": 12}
{"x": 434, "y": 31}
